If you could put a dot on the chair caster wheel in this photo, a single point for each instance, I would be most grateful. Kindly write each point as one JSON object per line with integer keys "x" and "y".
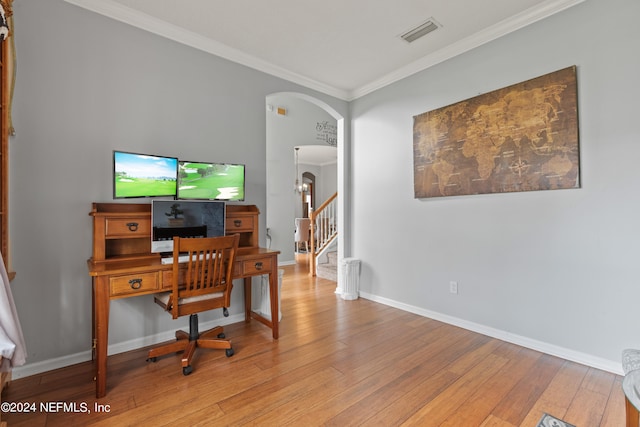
{"x": 152, "y": 359}
{"x": 187, "y": 370}
{"x": 229, "y": 352}
{"x": 221, "y": 335}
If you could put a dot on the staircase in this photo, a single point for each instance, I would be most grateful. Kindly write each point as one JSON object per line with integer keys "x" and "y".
{"x": 324, "y": 230}
{"x": 329, "y": 270}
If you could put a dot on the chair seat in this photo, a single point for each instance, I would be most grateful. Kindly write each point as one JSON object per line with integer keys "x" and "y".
{"x": 163, "y": 298}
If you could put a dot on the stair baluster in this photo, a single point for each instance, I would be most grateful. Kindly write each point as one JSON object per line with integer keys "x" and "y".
{"x": 324, "y": 229}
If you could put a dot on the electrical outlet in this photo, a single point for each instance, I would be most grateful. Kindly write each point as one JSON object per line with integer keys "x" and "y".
{"x": 453, "y": 287}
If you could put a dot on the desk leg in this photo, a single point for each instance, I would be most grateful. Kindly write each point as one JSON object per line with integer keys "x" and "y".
{"x": 273, "y": 295}
{"x": 274, "y": 322}
{"x": 93, "y": 320}
{"x": 101, "y": 328}
{"x": 247, "y": 299}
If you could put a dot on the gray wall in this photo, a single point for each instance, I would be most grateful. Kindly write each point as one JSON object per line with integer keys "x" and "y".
{"x": 87, "y": 85}
{"x": 327, "y": 181}
{"x": 557, "y": 270}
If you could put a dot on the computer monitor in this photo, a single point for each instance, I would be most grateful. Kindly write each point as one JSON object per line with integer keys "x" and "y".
{"x": 211, "y": 181}
{"x": 144, "y": 175}
{"x": 184, "y": 218}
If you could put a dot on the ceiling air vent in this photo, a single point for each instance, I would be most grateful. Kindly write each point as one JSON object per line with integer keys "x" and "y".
{"x": 419, "y": 31}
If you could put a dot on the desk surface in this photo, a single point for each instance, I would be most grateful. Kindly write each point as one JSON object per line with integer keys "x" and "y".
{"x": 110, "y": 281}
{"x": 155, "y": 263}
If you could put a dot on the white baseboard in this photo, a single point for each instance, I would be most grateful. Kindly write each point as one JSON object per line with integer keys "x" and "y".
{"x": 553, "y": 350}
{"x": 48, "y": 365}
{"x": 121, "y": 347}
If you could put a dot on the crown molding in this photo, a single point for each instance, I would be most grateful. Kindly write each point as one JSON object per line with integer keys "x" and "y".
{"x": 162, "y": 28}
{"x": 496, "y": 31}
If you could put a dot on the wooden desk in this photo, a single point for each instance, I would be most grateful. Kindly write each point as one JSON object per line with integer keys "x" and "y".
{"x": 132, "y": 278}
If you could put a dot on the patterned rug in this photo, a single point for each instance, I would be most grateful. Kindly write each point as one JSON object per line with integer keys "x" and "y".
{"x": 551, "y": 421}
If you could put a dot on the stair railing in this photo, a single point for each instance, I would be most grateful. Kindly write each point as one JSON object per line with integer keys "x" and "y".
{"x": 324, "y": 229}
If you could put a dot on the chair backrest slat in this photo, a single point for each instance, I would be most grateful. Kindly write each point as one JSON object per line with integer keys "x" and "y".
{"x": 209, "y": 269}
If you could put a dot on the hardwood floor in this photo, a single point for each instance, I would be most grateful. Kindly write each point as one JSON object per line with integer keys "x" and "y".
{"x": 337, "y": 363}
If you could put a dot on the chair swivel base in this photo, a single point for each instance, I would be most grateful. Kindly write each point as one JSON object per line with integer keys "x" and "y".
{"x": 213, "y": 338}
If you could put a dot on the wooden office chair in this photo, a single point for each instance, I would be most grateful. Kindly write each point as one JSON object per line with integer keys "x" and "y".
{"x": 202, "y": 283}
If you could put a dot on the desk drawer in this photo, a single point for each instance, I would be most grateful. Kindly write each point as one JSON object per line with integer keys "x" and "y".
{"x": 239, "y": 224}
{"x": 133, "y": 283}
{"x": 256, "y": 266}
{"x": 167, "y": 278}
{"x": 127, "y": 227}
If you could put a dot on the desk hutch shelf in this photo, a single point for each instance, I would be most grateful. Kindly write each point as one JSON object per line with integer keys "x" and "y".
{"x": 243, "y": 219}
{"x": 122, "y": 231}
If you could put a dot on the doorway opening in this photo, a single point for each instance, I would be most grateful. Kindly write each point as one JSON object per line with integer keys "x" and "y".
{"x": 307, "y": 197}
{"x": 305, "y": 119}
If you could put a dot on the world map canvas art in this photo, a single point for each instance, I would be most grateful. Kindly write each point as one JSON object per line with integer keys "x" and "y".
{"x": 520, "y": 138}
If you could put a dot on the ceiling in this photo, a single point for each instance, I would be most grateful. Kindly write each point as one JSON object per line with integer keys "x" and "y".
{"x": 318, "y": 155}
{"x": 344, "y": 48}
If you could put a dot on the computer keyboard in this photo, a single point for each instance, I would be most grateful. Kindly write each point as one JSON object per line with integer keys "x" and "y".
{"x": 181, "y": 258}
{"x": 169, "y": 260}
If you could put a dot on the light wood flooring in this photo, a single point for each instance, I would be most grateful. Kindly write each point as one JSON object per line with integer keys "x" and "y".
{"x": 337, "y": 363}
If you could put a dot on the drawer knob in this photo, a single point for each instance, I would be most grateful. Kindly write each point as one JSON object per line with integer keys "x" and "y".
{"x": 258, "y": 265}
{"x": 133, "y": 226}
{"x": 237, "y": 222}
{"x": 135, "y": 283}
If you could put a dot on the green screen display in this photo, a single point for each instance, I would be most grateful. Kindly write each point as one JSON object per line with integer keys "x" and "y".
{"x": 144, "y": 175}
{"x": 210, "y": 181}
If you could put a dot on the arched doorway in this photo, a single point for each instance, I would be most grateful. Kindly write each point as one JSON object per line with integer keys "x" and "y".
{"x": 281, "y": 171}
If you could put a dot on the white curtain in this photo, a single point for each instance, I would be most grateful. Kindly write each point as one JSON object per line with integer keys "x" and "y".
{"x": 12, "y": 346}
{"x": 4, "y": 26}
